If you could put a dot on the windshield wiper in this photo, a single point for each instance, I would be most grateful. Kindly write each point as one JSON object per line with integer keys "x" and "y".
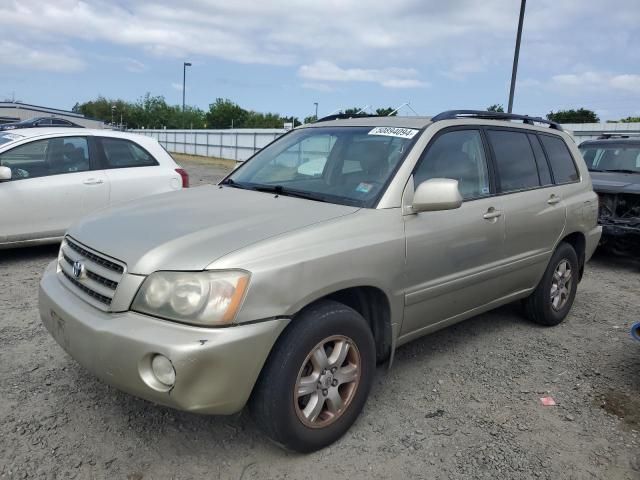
{"x": 280, "y": 190}
{"x": 229, "y": 182}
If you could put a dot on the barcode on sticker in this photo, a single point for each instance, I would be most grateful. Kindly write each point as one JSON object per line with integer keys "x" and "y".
{"x": 394, "y": 132}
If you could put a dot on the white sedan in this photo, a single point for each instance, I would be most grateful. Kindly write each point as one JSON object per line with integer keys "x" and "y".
{"x": 51, "y": 177}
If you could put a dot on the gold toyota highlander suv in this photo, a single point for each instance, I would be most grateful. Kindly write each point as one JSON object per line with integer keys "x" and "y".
{"x": 285, "y": 284}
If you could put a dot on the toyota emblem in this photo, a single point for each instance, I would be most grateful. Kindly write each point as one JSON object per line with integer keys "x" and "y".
{"x": 78, "y": 269}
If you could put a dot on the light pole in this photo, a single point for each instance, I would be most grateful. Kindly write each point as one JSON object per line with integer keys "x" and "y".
{"x": 113, "y": 110}
{"x": 516, "y": 54}
{"x": 316, "y": 105}
{"x": 184, "y": 80}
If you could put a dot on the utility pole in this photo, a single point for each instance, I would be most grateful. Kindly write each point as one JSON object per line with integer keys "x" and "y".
{"x": 316, "y": 104}
{"x": 113, "y": 109}
{"x": 516, "y": 55}
{"x": 184, "y": 80}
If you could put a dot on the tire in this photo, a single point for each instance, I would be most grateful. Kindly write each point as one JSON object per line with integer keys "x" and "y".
{"x": 552, "y": 299}
{"x": 290, "y": 419}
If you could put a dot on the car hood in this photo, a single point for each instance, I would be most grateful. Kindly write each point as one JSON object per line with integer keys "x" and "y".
{"x": 190, "y": 228}
{"x": 614, "y": 182}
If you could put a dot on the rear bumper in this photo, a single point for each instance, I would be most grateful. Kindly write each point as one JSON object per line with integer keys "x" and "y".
{"x": 216, "y": 368}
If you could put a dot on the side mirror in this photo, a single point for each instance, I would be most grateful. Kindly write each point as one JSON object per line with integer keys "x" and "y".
{"x": 437, "y": 194}
{"x": 5, "y": 173}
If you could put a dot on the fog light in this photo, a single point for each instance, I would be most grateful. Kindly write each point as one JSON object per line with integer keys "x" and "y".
{"x": 163, "y": 370}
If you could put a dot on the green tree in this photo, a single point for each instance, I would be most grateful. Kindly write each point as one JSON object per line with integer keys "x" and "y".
{"x": 147, "y": 112}
{"x": 385, "y": 112}
{"x": 582, "y": 115}
{"x": 496, "y": 107}
{"x": 630, "y": 120}
{"x": 352, "y": 111}
{"x": 310, "y": 119}
{"x": 224, "y": 113}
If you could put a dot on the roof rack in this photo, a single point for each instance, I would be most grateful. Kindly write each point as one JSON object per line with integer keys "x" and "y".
{"x": 453, "y": 114}
{"x": 343, "y": 116}
{"x": 605, "y": 136}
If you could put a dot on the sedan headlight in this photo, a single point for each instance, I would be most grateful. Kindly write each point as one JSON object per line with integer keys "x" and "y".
{"x": 201, "y": 298}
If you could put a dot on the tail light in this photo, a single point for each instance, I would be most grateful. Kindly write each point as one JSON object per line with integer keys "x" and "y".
{"x": 185, "y": 177}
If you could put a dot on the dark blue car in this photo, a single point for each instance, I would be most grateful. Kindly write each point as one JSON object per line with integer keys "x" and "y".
{"x": 40, "y": 122}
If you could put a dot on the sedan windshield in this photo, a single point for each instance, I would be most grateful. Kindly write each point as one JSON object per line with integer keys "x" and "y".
{"x": 612, "y": 157}
{"x": 344, "y": 165}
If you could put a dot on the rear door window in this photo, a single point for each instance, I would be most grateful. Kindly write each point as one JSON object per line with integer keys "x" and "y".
{"x": 121, "y": 153}
{"x": 516, "y": 164}
{"x": 562, "y": 165}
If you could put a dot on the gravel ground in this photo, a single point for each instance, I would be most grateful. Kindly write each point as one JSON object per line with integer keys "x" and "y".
{"x": 462, "y": 403}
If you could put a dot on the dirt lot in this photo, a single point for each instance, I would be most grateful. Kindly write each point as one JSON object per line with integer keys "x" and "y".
{"x": 462, "y": 403}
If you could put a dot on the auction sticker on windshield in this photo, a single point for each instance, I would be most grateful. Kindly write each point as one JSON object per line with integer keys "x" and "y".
{"x": 394, "y": 132}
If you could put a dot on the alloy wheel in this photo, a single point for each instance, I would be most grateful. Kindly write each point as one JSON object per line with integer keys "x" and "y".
{"x": 561, "y": 285}
{"x": 327, "y": 381}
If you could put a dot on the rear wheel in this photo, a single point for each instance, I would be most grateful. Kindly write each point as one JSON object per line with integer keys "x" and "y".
{"x": 316, "y": 379}
{"x": 552, "y": 299}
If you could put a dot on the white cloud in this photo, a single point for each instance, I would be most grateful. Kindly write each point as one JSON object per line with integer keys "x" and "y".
{"x": 597, "y": 82}
{"x": 294, "y": 32}
{"x": 398, "y": 44}
{"x": 326, "y": 71}
{"x": 32, "y": 58}
{"x": 133, "y": 65}
{"x": 176, "y": 86}
{"x": 130, "y": 64}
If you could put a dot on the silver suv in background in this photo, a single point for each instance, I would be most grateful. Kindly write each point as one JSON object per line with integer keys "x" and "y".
{"x": 285, "y": 285}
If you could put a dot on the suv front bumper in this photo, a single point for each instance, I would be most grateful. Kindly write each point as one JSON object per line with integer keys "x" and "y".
{"x": 215, "y": 368}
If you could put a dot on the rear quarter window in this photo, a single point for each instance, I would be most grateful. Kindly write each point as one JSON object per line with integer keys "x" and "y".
{"x": 562, "y": 164}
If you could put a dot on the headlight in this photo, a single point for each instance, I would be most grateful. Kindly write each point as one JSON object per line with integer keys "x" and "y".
{"x": 201, "y": 298}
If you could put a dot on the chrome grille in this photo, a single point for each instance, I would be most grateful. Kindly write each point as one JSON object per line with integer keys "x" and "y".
{"x": 97, "y": 278}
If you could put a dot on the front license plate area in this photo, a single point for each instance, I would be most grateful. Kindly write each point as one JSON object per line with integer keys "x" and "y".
{"x": 59, "y": 330}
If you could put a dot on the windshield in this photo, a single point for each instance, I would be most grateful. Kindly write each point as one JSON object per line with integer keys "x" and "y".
{"x": 612, "y": 157}
{"x": 9, "y": 137}
{"x": 344, "y": 165}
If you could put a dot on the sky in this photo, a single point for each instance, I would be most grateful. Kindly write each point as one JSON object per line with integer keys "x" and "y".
{"x": 282, "y": 56}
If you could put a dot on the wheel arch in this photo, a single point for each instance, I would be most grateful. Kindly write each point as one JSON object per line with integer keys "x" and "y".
{"x": 374, "y": 305}
{"x": 579, "y": 243}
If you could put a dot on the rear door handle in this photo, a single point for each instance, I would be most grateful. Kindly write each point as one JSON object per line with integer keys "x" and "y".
{"x": 553, "y": 199}
{"x": 93, "y": 181}
{"x": 492, "y": 213}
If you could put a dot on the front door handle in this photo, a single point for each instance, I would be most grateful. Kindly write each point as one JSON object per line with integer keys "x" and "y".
{"x": 93, "y": 181}
{"x": 553, "y": 199}
{"x": 492, "y": 213}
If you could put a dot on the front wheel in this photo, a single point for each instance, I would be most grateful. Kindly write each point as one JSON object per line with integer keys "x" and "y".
{"x": 552, "y": 299}
{"x": 316, "y": 379}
